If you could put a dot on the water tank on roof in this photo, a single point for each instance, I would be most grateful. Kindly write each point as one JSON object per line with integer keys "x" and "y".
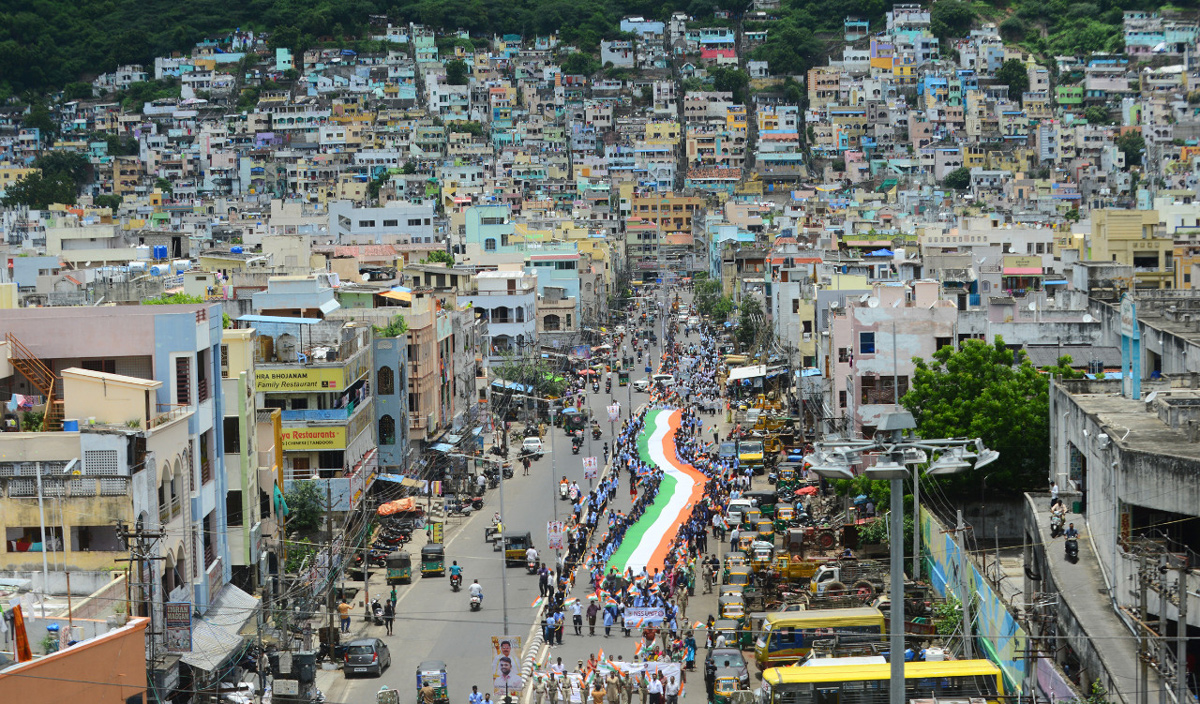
{"x": 180, "y": 265}
{"x": 137, "y": 267}
{"x": 160, "y": 251}
{"x": 142, "y": 252}
{"x": 160, "y": 270}
{"x": 235, "y": 250}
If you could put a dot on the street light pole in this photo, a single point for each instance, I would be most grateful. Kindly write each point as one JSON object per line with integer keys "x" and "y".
{"x": 503, "y": 562}
{"x": 896, "y": 627}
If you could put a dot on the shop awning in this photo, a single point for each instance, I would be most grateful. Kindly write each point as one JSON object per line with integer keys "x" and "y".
{"x": 398, "y": 293}
{"x": 215, "y": 635}
{"x": 747, "y": 372}
{"x": 1055, "y": 282}
{"x": 1022, "y": 271}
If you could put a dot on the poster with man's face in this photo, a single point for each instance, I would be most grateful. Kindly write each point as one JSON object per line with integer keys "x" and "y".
{"x": 506, "y": 665}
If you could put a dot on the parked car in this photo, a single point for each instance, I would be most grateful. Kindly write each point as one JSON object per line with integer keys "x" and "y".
{"x": 533, "y": 446}
{"x": 367, "y": 656}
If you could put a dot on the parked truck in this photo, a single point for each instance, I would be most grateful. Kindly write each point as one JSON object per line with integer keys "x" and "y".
{"x": 864, "y": 578}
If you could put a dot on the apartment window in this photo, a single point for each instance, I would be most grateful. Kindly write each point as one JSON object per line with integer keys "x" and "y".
{"x": 29, "y": 539}
{"x": 489, "y": 245}
{"x": 96, "y": 539}
{"x": 232, "y": 435}
{"x": 202, "y": 364}
{"x": 843, "y": 355}
{"x": 795, "y": 305}
{"x": 414, "y": 222}
{"x": 387, "y": 430}
{"x": 940, "y": 342}
{"x": 841, "y": 399}
{"x": 386, "y": 381}
{"x": 391, "y": 223}
{"x": 100, "y": 365}
{"x": 882, "y": 389}
{"x": 806, "y": 327}
{"x": 233, "y": 507}
{"x": 866, "y": 343}
{"x": 366, "y": 223}
{"x": 224, "y": 361}
{"x": 183, "y": 381}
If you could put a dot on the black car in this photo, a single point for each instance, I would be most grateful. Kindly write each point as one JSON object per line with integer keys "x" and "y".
{"x": 728, "y": 662}
{"x": 367, "y": 656}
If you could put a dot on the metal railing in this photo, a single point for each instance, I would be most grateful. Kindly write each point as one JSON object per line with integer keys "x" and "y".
{"x": 167, "y": 412}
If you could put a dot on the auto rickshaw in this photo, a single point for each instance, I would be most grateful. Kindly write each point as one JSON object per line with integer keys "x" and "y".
{"x": 727, "y": 628}
{"x": 784, "y": 515}
{"x": 574, "y": 420}
{"x": 623, "y": 377}
{"x": 745, "y": 541}
{"x": 751, "y": 518}
{"x": 749, "y": 629}
{"x": 766, "y": 530}
{"x": 733, "y": 607}
{"x": 733, "y": 561}
{"x": 399, "y": 568}
{"x": 433, "y": 560}
{"x": 737, "y": 577}
{"x": 723, "y": 690}
{"x": 761, "y": 557}
{"x": 433, "y": 673}
{"x": 764, "y": 501}
{"x": 514, "y": 549}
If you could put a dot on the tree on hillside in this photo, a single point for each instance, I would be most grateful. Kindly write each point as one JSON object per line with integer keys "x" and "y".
{"x": 749, "y": 325}
{"x": 958, "y": 179}
{"x": 39, "y": 191}
{"x": 950, "y": 18}
{"x": 456, "y": 72}
{"x": 730, "y": 79}
{"x": 1131, "y": 144}
{"x": 711, "y": 301}
{"x": 1013, "y": 74}
{"x": 993, "y": 393}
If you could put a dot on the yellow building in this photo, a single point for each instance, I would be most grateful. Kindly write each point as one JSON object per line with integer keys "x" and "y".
{"x": 1129, "y": 237}
{"x": 662, "y": 133}
{"x": 670, "y": 213}
{"x": 10, "y": 174}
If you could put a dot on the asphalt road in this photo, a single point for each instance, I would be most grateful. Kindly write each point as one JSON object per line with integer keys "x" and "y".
{"x": 434, "y": 623}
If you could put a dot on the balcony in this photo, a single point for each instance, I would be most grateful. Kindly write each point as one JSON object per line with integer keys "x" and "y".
{"x": 79, "y": 487}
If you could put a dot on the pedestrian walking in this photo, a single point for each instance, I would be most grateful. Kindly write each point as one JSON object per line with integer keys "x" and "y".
{"x": 389, "y": 616}
{"x": 592, "y": 610}
{"x": 343, "y": 610}
{"x": 577, "y": 617}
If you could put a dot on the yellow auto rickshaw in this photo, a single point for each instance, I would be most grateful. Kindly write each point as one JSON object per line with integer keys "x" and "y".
{"x": 433, "y": 560}
{"x": 739, "y": 577}
{"x": 733, "y": 607}
{"x": 761, "y": 558}
{"x": 784, "y": 515}
{"x": 766, "y": 530}
{"x": 751, "y": 518}
{"x": 745, "y": 541}
{"x": 733, "y": 561}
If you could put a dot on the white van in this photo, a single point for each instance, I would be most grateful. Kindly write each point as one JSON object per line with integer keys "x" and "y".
{"x": 666, "y": 380}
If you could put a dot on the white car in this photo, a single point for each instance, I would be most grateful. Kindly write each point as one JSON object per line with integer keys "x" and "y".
{"x": 666, "y": 380}
{"x": 533, "y": 445}
{"x": 641, "y": 385}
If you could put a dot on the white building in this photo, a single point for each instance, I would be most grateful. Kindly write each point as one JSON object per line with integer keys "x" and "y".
{"x": 397, "y": 222}
{"x": 507, "y": 300}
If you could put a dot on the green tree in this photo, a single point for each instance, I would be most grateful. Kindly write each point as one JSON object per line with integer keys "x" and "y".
{"x": 1096, "y": 115}
{"x": 173, "y": 299}
{"x": 164, "y": 185}
{"x": 993, "y": 393}
{"x": 577, "y": 63}
{"x": 950, "y": 18}
{"x": 958, "y": 179}
{"x": 72, "y": 165}
{"x": 1131, "y": 144}
{"x": 534, "y": 372}
{"x": 441, "y": 256}
{"x": 456, "y": 72}
{"x": 749, "y": 325}
{"x": 729, "y": 79}
{"x": 39, "y": 192}
{"x": 107, "y": 201}
{"x": 39, "y": 117}
{"x": 305, "y": 504}
{"x": 1012, "y": 73}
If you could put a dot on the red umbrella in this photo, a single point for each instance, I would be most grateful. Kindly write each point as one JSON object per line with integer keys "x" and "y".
{"x": 588, "y": 372}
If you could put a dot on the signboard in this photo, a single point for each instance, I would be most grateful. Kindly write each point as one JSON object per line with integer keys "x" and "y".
{"x": 300, "y": 379}
{"x": 506, "y": 666}
{"x": 1022, "y": 262}
{"x": 436, "y": 531}
{"x": 554, "y": 535}
{"x": 177, "y": 617}
{"x": 1128, "y": 315}
{"x": 614, "y": 412}
{"x": 590, "y": 466}
{"x": 332, "y": 438}
{"x": 639, "y": 616}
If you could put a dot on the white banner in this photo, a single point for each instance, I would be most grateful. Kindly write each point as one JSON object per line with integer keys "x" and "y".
{"x": 642, "y": 616}
{"x": 614, "y": 412}
{"x": 554, "y": 535}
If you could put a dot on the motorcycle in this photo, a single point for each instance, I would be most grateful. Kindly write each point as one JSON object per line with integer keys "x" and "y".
{"x": 596, "y": 387}
{"x": 562, "y": 491}
{"x": 596, "y": 433}
{"x": 455, "y": 581}
{"x": 1072, "y": 550}
{"x": 1056, "y": 525}
{"x": 608, "y": 387}
{"x": 575, "y": 446}
{"x": 476, "y": 603}
{"x": 377, "y": 612}
{"x": 531, "y": 566}
{"x": 476, "y": 503}
{"x": 508, "y": 470}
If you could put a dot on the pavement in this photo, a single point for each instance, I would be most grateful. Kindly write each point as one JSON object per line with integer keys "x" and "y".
{"x": 434, "y": 623}
{"x": 1081, "y": 589}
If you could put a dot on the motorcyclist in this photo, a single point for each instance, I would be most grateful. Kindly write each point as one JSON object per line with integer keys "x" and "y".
{"x": 476, "y": 590}
{"x": 531, "y": 555}
{"x": 455, "y": 570}
{"x": 1070, "y": 533}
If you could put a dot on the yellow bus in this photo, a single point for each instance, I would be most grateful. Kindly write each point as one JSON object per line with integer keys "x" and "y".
{"x": 861, "y": 682}
{"x": 787, "y": 636}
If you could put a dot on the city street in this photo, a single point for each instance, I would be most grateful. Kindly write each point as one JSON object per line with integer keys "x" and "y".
{"x": 434, "y": 623}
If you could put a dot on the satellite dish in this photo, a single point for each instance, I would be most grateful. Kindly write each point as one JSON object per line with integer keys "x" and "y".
{"x": 1087, "y": 318}
{"x": 1033, "y": 305}
{"x": 872, "y": 302}
{"x": 834, "y": 305}
{"x": 864, "y": 297}
{"x": 1153, "y": 395}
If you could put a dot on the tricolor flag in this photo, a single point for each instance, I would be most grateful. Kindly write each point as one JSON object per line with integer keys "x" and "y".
{"x": 537, "y": 602}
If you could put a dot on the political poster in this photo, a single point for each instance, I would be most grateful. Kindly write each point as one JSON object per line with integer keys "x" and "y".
{"x": 590, "y": 467}
{"x": 554, "y": 535}
{"x": 506, "y": 666}
{"x": 614, "y": 412}
{"x": 642, "y": 616}
{"x": 177, "y": 617}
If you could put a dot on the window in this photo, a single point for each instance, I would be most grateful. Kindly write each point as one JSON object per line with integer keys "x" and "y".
{"x": 233, "y": 507}
{"x": 843, "y": 355}
{"x": 29, "y": 539}
{"x": 96, "y": 538}
{"x": 841, "y": 399}
{"x": 224, "y": 361}
{"x": 233, "y": 435}
{"x": 795, "y": 305}
{"x": 387, "y": 430}
{"x": 385, "y": 381}
{"x": 414, "y": 222}
{"x": 100, "y": 365}
{"x": 504, "y": 239}
{"x": 183, "y": 381}
{"x": 551, "y": 323}
{"x": 806, "y": 327}
{"x": 366, "y": 223}
{"x": 391, "y": 223}
{"x": 866, "y": 343}
{"x": 489, "y": 245}
{"x": 940, "y": 342}
{"x": 882, "y": 389}
{"x": 202, "y": 364}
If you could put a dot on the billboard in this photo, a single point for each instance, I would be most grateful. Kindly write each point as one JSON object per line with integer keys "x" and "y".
{"x": 300, "y": 379}
{"x": 332, "y": 438}
{"x": 177, "y": 617}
